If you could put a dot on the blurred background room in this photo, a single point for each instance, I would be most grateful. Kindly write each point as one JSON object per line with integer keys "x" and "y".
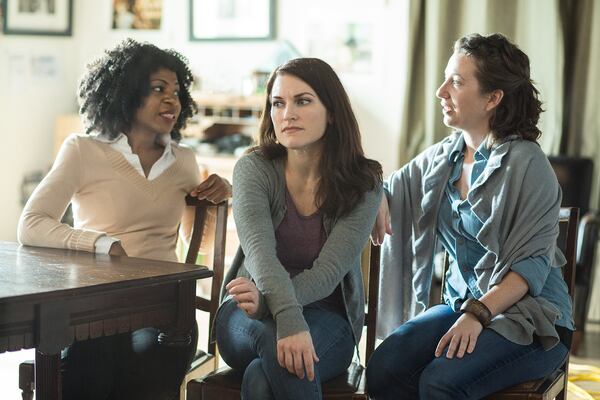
{"x": 390, "y": 55}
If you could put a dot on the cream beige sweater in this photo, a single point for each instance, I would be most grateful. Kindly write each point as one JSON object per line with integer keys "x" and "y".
{"x": 109, "y": 197}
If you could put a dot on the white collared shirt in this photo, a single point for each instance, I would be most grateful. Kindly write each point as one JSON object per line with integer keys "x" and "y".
{"x": 121, "y": 145}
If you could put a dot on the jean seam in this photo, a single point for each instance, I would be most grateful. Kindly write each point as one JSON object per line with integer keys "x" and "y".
{"x": 331, "y": 344}
{"x": 501, "y": 364}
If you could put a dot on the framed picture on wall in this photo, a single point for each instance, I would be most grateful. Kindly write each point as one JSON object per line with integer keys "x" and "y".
{"x": 37, "y": 17}
{"x": 232, "y": 19}
{"x": 137, "y": 14}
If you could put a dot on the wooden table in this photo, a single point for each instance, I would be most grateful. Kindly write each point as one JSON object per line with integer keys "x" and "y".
{"x": 51, "y": 297}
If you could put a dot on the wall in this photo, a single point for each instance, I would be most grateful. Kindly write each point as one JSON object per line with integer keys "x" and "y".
{"x": 29, "y": 103}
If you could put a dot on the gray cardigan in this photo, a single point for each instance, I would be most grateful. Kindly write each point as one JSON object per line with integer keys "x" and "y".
{"x": 258, "y": 209}
{"x": 518, "y": 203}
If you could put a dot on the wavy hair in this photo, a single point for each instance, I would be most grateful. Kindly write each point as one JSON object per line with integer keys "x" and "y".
{"x": 115, "y": 85}
{"x": 346, "y": 174}
{"x": 500, "y": 64}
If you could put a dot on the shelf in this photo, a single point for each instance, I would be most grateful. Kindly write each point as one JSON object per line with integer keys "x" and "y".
{"x": 222, "y": 115}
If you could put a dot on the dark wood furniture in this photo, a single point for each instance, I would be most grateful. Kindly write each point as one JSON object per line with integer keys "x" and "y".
{"x": 51, "y": 297}
{"x": 575, "y": 176}
{"x": 210, "y": 227}
{"x": 225, "y": 384}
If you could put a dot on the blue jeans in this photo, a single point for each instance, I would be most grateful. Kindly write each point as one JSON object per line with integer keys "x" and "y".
{"x": 404, "y": 365}
{"x": 250, "y": 346}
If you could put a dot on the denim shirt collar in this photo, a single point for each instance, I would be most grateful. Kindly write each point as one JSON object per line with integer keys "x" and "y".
{"x": 482, "y": 153}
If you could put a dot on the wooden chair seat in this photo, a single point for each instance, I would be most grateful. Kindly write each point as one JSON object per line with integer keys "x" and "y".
{"x": 544, "y": 389}
{"x": 225, "y": 384}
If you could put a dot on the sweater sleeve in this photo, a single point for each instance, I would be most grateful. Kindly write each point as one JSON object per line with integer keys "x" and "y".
{"x": 39, "y": 224}
{"x": 252, "y": 184}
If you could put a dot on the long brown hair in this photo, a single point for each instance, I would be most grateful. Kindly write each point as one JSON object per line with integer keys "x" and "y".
{"x": 502, "y": 65}
{"x": 346, "y": 174}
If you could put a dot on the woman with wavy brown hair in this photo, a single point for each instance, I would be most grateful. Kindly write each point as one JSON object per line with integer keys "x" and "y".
{"x": 304, "y": 202}
{"x": 488, "y": 195}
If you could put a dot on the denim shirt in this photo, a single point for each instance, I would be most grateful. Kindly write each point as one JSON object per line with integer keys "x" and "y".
{"x": 457, "y": 230}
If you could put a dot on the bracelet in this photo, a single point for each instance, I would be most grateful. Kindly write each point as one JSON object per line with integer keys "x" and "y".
{"x": 478, "y": 309}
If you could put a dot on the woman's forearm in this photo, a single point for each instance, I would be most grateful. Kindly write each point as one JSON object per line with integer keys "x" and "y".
{"x": 510, "y": 290}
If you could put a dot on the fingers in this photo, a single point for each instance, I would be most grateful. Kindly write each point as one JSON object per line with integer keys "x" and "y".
{"x": 382, "y": 223}
{"x": 462, "y": 347}
{"x": 245, "y": 294}
{"x": 453, "y": 346}
{"x": 298, "y": 365}
{"x": 307, "y": 356}
{"x": 288, "y": 362}
{"x": 245, "y": 297}
{"x": 236, "y": 282}
{"x": 442, "y": 344}
{"x": 297, "y": 355}
{"x": 472, "y": 343}
{"x": 248, "y": 307}
{"x": 214, "y": 189}
{"x": 280, "y": 355}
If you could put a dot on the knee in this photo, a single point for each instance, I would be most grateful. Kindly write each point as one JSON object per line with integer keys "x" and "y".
{"x": 255, "y": 383}
{"x": 439, "y": 383}
{"x": 381, "y": 369}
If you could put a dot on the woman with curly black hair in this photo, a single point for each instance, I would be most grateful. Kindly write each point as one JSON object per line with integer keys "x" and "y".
{"x": 126, "y": 182}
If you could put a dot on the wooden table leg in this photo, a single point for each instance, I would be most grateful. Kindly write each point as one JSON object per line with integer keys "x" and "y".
{"x": 47, "y": 376}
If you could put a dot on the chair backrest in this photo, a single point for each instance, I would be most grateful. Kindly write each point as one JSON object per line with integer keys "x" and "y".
{"x": 370, "y": 270}
{"x": 575, "y": 177}
{"x": 567, "y": 241}
{"x": 205, "y": 213}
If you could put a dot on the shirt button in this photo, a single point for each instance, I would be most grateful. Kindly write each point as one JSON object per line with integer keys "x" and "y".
{"x": 455, "y": 214}
{"x": 460, "y": 241}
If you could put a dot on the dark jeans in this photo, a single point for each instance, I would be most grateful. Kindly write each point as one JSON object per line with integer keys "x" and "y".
{"x": 250, "y": 346}
{"x": 404, "y": 365}
{"x": 125, "y": 366}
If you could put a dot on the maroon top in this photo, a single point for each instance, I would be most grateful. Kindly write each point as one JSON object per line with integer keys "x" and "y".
{"x": 299, "y": 242}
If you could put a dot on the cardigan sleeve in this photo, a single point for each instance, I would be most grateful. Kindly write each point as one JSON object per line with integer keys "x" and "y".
{"x": 39, "y": 224}
{"x": 252, "y": 185}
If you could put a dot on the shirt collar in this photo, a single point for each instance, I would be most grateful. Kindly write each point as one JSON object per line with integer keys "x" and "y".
{"x": 484, "y": 149}
{"x": 482, "y": 153}
{"x": 121, "y": 139}
{"x": 457, "y": 150}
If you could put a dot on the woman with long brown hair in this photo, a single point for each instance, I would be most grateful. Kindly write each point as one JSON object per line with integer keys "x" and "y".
{"x": 304, "y": 202}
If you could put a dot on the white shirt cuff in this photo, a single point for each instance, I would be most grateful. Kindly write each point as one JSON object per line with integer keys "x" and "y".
{"x": 103, "y": 244}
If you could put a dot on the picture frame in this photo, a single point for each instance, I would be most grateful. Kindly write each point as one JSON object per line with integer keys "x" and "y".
{"x": 37, "y": 17}
{"x": 220, "y": 20}
{"x": 137, "y": 14}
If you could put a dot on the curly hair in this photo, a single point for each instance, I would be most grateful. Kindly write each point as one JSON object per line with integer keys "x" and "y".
{"x": 116, "y": 84}
{"x": 346, "y": 174}
{"x": 500, "y": 64}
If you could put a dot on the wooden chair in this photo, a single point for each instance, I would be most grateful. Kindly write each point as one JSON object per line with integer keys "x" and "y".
{"x": 554, "y": 385}
{"x": 225, "y": 384}
{"x": 207, "y": 361}
{"x": 203, "y": 362}
{"x": 575, "y": 176}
